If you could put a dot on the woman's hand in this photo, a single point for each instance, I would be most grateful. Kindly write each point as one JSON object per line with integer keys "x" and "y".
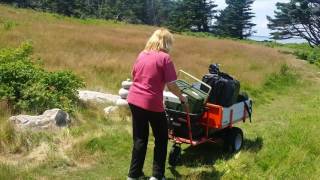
{"x": 176, "y": 91}
{"x": 183, "y": 99}
{"x": 172, "y": 86}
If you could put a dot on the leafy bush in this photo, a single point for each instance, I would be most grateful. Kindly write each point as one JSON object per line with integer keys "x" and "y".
{"x": 312, "y": 55}
{"x": 6, "y": 92}
{"x": 279, "y": 81}
{"x": 275, "y": 84}
{"x": 26, "y": 86}
{"x": 305, "y": 52}
{"x": 301, "y": 51}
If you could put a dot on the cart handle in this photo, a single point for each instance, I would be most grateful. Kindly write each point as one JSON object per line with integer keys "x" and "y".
{"x": 198, "y": 80}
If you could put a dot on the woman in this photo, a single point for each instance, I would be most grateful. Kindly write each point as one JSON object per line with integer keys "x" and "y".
{"x": 152, "y": 70}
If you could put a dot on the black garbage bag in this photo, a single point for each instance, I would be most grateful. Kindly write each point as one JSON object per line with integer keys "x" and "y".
{"x": 225, "y": 89}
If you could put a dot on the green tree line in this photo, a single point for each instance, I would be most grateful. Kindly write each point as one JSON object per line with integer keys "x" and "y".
{"x": 178, "y": 15}
{"x": 295, "y": 18}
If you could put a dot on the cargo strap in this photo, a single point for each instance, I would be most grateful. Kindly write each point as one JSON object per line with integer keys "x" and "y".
{"x": 249, "y": 109}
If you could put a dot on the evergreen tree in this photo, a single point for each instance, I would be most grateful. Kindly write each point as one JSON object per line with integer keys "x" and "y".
{"x": 65, "y": 7}
{"x": 164, "y": 9}
{"x": 195, "y": 15}
{"x": 298, "y": 18}
{"x": 152, "y": 12}
{"x": 235, "y": 20}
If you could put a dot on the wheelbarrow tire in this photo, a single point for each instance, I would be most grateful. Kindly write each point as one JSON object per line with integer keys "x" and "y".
{"x": 233, "y": 140}
{"x": 174, "y": 155}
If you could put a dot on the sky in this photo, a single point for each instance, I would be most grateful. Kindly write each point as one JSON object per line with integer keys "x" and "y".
{"x": 261, "y": 8}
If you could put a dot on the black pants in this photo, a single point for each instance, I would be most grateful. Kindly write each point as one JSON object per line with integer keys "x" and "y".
{"x": 140, "y": 123}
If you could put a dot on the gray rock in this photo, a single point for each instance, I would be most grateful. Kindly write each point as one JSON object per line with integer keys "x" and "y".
{"x": 98, "y": 97}
{"x": 50, "y": 119}
{"x": 60, "y": 117}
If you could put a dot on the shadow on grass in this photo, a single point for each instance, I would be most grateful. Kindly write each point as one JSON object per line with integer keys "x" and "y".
{"x": 253, "y": 145}
{"x": 204, "y": 154}
{"x": 209, "y": 153}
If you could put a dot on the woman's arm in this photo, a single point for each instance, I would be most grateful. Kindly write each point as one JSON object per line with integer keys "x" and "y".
{"x": 172, "y": 86}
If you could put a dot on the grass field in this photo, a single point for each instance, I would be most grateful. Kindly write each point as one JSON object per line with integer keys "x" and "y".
{"x": 281, "y": 143}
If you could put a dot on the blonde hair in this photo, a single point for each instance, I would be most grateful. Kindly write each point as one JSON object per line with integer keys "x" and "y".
{"x": 161, "y": 40}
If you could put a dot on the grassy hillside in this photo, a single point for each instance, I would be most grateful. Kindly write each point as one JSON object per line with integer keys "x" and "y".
{"x": 99, "y": 49}
{"x": 281, "y": 143}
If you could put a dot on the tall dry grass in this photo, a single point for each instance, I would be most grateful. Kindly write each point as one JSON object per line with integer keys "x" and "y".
{"x": 103, "y": 52}
{"x": 6, "y": 131}
{"x": 4, "y": 108}
{"x": 98, "y": 147}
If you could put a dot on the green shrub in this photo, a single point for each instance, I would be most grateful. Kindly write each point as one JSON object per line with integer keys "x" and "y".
{"x": 98, "y": 144}
{"x": 27, "y": 87}
{"x": 301, "y": 54}
{"x": 301, "y": 51}
{"x": 275, "y": 84}
{"x": 279, "y": 81}
{"x": 6, "y": 92}
{"x": 314, "y": 56}
{"x": 19, "y": 54}
{"x": 317, "y": 63}
{"x": 305, "y": 52}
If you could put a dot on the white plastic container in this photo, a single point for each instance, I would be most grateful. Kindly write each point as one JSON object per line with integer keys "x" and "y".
{"x": 170, "y": 97}
{"x": 122, "y": 102}
{"x": 126, "y": 84}
{"x": 123, "y": 93}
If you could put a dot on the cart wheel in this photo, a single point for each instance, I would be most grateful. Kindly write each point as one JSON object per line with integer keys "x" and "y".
{"x": 233, "y": 140}
{"x": 174, "y": 155}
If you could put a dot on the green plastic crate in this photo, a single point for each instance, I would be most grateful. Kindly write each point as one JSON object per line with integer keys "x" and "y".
{"x": 196, "y": 98}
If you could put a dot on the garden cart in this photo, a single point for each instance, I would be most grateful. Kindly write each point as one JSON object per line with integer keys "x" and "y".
{"x": 200, "y": 122}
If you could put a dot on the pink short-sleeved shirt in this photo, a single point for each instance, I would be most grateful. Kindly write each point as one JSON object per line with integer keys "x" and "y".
{"x": 151, "y": 71}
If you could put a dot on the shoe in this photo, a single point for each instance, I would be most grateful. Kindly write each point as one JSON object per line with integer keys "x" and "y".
{"x": 154, "y": 178}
